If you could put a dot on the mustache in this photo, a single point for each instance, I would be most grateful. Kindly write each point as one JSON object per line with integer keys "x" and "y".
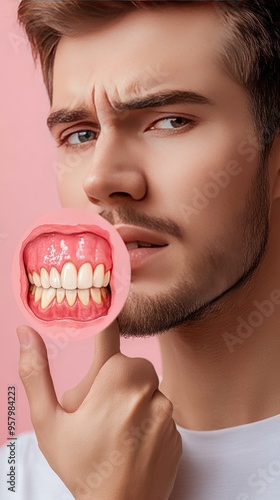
{"x": 127, "y": 215}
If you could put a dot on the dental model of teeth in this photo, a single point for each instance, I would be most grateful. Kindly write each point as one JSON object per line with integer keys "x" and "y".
{"x": 71, "y": 284}
{"x": 71, "y": 277}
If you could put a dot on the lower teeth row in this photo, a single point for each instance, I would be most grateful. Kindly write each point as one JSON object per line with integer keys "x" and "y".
{"x": 47, "y": 295}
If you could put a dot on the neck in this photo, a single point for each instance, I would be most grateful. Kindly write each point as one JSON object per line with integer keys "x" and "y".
{"x": 224, "y": 371}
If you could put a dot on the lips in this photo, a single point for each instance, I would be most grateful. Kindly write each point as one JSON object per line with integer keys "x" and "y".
{"x": 66, "y": 274}
{"x": 142, "y": 244}
{"x": 137, "y": 237}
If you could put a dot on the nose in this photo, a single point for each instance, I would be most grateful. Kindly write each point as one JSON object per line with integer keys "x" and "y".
{"x": 115, "y": 172}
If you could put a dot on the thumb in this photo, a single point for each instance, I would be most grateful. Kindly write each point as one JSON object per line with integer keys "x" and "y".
{"x": 106, "y": 344}
{"x": 36, "y": 378}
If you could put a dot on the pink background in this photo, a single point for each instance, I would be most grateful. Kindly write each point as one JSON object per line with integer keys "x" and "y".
{"x": 28, "y": 191}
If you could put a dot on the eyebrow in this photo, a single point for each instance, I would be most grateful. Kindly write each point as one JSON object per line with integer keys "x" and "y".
{"x": 159, "y": 99}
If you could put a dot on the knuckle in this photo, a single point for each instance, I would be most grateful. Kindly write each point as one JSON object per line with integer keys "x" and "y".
{"x": 26, "y": 371}
{"x": 163, "y": 408}
{"x": 144, "y": 373}
{"x": 31, "y": 365}
{"x": 145, "y": 365}
{"x": 133, "y": 373}
{"x": 167, "y": 407}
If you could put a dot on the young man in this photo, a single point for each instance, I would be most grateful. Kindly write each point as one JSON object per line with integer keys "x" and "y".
{"x": 172, "y": 110}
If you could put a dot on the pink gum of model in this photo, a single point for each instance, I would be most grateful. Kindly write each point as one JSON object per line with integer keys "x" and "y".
{"x": 71, "y": 273}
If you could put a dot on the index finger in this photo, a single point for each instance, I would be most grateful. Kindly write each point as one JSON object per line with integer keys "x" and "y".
{"x": 106, "y": 344}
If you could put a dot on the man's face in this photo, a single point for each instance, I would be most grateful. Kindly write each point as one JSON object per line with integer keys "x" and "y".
{"x": 175, "y": 172}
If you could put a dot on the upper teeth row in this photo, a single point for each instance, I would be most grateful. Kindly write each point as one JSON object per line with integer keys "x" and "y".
{"x": 70, "y": 278}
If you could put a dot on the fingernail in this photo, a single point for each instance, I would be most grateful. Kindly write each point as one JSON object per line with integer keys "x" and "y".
{"x": 23, "y": 337}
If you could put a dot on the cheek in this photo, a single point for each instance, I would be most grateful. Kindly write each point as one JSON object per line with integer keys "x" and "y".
{"x": 70, "y": 176}
{"x": 205, "y": 182}
{"x": 71, "y": 193}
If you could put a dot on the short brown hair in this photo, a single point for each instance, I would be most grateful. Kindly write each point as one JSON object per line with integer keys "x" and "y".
{"x": 251, "y": 53}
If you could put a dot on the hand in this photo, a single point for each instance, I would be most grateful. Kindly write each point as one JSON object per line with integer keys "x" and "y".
{"x": 113, "y": 436}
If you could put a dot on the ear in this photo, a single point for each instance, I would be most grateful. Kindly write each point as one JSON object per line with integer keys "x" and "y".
{"x": 274, "y": 168}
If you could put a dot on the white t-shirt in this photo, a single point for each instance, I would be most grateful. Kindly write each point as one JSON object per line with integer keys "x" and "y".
{"x": 239, "y": 463}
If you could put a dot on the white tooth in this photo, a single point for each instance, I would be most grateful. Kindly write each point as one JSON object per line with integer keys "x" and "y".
{"x": 48, "y": 295}
{"x": 30, "y": 277}
{"x": 106, "y": 279}
{"x": 103, "y": 293}
{"x": 84, "y": 296}
{"x": 60, "y": 295}
{"x": 71, "y": 296}
{"x": 55, "y": 280}
{"x": 37, "y": 279}
{"x": 98, "y": 276}
{"x": 38, "y": 293}
{"x": 95, "y": 295}
{"x": 45, "y": 279}
{"x": 69, "y": 276}
{"x": 85, "y": 276}
{"x": 132, "y": 245}
{"x": 143, "y": 244}
{"x": 32, "y": 289}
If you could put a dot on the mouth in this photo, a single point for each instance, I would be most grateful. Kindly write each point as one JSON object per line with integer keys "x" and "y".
{"x": 141, "y": 243}
{"x": 66, "y": 274}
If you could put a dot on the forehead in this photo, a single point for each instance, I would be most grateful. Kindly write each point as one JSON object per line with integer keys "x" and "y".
{"x": 144, "y": 50}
